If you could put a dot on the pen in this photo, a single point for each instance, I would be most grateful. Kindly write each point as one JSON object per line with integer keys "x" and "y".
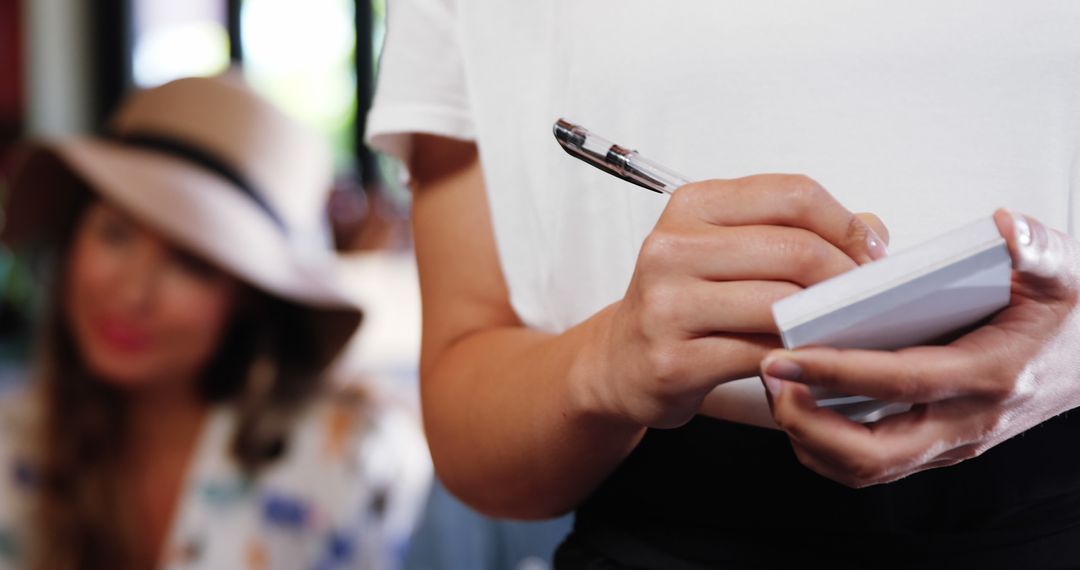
{"x": 619, "y": 161}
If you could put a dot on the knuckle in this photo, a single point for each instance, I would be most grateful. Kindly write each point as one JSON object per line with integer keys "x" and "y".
{"x": 906, "y": 385}
{"x": 978, "y": 450}
{"x": 667, "y": 368}
{"x": 804, "y": 458}
{"x": 804, "y": 254}
{"x": 660, "y": 304}
{"x": 784, "y": 422}
{"x": 865, "y": 470}
{"x": 1023, "y": 385}
{"x": 867, "y": 466}
{"x": 687, "y": 197}
{"x": 1002, "y": 387}
{"x": 660, "y": 247}
{"x": 793, "y": 428}
{"x": 943, "y": 463}
{"x": 989, "y": 425}
{"x": 802, "y": 191}
{"x": 812, "y": 461}
{"x": 803, "y": 186}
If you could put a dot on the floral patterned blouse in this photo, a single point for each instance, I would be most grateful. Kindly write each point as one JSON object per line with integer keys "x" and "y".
{"x": 346, "y": 494}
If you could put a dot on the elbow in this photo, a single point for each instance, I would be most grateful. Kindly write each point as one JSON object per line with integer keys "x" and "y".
{"x": 499, "y": 497}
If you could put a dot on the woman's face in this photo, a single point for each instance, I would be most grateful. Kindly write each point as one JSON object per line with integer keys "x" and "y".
{"x": 140, "y": 310}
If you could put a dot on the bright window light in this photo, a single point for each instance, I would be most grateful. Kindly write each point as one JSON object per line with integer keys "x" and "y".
{"x": 301, "y": 55}
{"x": 178, "y": 39}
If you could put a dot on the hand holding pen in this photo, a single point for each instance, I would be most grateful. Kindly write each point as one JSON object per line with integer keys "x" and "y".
{"x": 697, "y": 312}
{"x": 977, "y": 391}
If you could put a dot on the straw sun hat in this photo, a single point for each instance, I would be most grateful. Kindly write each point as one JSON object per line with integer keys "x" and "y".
{"x": 220, "y": 172}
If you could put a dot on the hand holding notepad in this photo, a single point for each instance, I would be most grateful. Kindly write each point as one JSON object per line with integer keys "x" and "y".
{"x": 914, "y": 297}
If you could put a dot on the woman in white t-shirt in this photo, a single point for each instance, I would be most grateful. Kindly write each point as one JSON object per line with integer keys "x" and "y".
{"x": 584, "y": 339}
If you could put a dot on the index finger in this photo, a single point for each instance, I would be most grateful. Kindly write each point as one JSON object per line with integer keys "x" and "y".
{"x": 784, "y": 200}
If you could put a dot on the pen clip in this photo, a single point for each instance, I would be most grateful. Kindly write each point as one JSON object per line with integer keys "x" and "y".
{"x": 579, "y": 143}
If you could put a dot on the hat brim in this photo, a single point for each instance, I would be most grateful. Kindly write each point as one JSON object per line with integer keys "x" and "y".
{"x": 196, "y": 209}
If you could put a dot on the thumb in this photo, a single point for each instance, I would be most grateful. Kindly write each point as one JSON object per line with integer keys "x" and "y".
{"x": 1036, "y": 250}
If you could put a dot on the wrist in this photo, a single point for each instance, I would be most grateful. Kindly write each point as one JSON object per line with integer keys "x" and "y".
{"x": 593, "y": 391}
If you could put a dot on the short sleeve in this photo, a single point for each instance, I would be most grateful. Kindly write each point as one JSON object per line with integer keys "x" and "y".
{"x": 421, "y": 85}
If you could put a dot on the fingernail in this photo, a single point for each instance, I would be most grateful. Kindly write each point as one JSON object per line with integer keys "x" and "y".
{"x": 1023, "y": 229}
{"x": 773, "y": 385}
{"x": 875, "y": 247}
{"x": 783, "y": 369}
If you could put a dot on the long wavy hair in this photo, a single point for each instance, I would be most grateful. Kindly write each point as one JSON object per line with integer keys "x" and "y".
{"x": 267, "y": 365}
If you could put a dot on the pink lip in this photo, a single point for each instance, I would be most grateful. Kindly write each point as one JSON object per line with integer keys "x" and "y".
{"x": 122, "y": 336}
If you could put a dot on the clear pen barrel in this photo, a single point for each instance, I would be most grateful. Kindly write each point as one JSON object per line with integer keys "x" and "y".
{"x": 654, "y": 175}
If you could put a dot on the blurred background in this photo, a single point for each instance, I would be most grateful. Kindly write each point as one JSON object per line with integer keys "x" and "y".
{"x": 66, "y": 64}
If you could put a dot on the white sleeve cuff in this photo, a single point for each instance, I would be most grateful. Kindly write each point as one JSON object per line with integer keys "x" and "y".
{"x": 390, "y": 128}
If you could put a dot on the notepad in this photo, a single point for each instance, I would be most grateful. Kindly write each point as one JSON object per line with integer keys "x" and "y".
{"x": 913, "y": 297}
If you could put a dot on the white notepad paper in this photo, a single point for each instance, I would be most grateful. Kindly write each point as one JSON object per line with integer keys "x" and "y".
{"x": 914, "y": 297}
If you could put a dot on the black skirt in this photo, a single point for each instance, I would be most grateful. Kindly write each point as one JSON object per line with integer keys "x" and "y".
{"x": 714, "y": 494}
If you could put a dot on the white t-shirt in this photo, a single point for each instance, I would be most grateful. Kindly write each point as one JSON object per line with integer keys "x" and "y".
{"x": 928, "y": 113}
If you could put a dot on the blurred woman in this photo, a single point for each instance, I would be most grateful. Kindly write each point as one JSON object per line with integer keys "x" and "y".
{"x": 177, "y": 418}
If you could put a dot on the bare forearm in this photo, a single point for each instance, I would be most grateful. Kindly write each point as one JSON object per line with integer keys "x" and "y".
{"x": 511, "y": 429}
{"x": 527, "y": 424}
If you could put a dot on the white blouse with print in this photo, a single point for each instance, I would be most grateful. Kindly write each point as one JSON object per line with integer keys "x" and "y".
{"x": 345, "y": 495}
